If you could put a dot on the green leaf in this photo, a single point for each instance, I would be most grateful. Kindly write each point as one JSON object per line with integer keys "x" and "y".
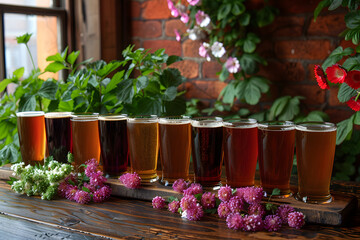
{"x": 238, "y": 9}
{"x": 86, "y": 189}
{"x": 171, "y": 199}
{"x": 336, "y": 56}
{"x": 172, "y": 59}
{"x": 224, "y": 74}
{"x": 335, "y": 4}
{"x": 126, "y": 91}
{"x": 27, "y": 103}
{"x": 265, "y": 16}
{"x": 261, "y": 82}
{"x": 275, "y": 192}
{"x": 115, "y": 80}
{"x": 55, "y": 58}
{"x": 72, "y": 57}
{"x": 149, "y": 106}
{"x": 18, "y": 73}
{"x": 48, "y": 90}
{"x": 4, "y": 83}
{"x": 352, "y": 63}
{"x": 171, "y": 77}
{"x": 345, "y": 93}
{"x": 64, "y": 53}
{"x": 141, "y": 83}
{"x": 344, "y": 129}
{"x": 170, "y": 93}
{"x": 244, "y": 19}
{"x": 291, "y": 109}
{"x": 228, "y": 93}
{"x": 107, "y": 69}
{"x": 224, "y": 10}
{"x": 9, "y": 154}
{"x": 54, "y": 67}
{"x": 176, "y": 107}
{"x": 210, "y": 211}
{"x": 278, "y": 106}
{"x": 320, "y": 7}
{"x": 252, "y": 93}
{"x": 357, "y": 118}
{"x": 24, "y": 38}
{"x": 352, "y": 19}
{"x": 317, "y": 116}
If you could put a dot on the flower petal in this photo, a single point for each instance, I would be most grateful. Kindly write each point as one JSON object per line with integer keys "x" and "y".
{"x": 354, "y": 105}
{"x": 320, "y": 77}
{"x": 336, "y": 74}
{"x": 353, "y": 79}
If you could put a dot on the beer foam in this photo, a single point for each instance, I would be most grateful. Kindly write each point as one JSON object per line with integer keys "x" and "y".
{"x": 174, "y": 121}
{"x": 240, "y": 125}
{"x": 316, "y": 128}
{"x": 113, "y": 118}
{"x": 277, "y": 128}
{"x": 58, "y": 115}
{"x": 206, "y": 124}
{"x": 30, "y": 114}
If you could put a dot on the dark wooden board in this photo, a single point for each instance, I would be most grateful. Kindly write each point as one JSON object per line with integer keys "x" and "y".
{"x": 334, "y": 213}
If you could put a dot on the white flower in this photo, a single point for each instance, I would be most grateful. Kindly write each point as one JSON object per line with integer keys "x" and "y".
{"x": 202, "y": 19}
{"x": 217, "y": 49}
{"x": 204, "y": 51}
{"x": 184, "y": 214}
{"x": 195, "y": 33}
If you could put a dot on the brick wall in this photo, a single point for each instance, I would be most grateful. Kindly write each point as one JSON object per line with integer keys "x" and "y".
{"x": 293, "y": 44}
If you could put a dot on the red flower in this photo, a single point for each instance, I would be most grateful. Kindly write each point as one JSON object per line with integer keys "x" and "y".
{"x": 336, "y": 74}
{"x": 320, "y": 77}
{"x": 354, "y": 105}
{"x": 353, "y": 79}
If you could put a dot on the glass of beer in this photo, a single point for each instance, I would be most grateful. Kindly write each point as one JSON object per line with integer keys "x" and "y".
{"x": 240, "y": 144}
{"x": 113, "y": 144}
{"x": 315, "y": 150}
{"x": 143, "y": 140}
{"x": 58, "y": 135}
{"x": 32, "y": 137}
{"x": 207, "y": 154}
{"x": 276, "y": 153}
{"x": 85, "y": 133}
{"x": 175, "y": 148}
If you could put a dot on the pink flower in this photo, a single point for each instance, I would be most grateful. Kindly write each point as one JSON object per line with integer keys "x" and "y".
{"x": 283, "y": 212}
{"x": 70, "y": 193}
{"x": 296, "y": 220}
{"x": 91, "y": 166}
{"x": 272, "y": 223}
{"x": 253, "y": 195}
{"x": 91, "y": 188}
{"x": 204, "y": 51}
{"x": 232, "y": 65}
{"x": 97, "y": 179}
{"x": 253, "y": 223}
{"x": 180, "y": 185}
{"x": 208, "y": 200}
{"x": 102, "y": 194}
{"x": 336, "y": 74}
{"x": 236, "y": 204}
{"x": 173, "y": 9}
{"x": 194, "y": 213}
{"x": 235, "y": 221}
{"x": 158, "y": 202}
{"x": 184, "y": 17}
{"x": 174, "y": 206}
{"x": 320, "y": 77}
{"x": 193, "y": 2}
{"x": 196, "y": 33}
{"x": 240, "y": 192}
{"x": 82, "y": 197}
{"x": 202, "y": 19}
{"x": 177, "y": 34}
{"x": 225, "y": 193}
{"x": 130, "y": 180}
{"x": 223, "y": 210}
{"x": 195, "y": 188}
{"x": 63, "y": 187}
{"x": 187, "y": 202}
{"x": 256, "y": 209}
{"x": 218, "y": 50}
{"x": 354, "y": 105}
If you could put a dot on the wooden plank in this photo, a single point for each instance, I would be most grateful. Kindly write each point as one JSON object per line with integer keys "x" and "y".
{"x": 334, "y": 213}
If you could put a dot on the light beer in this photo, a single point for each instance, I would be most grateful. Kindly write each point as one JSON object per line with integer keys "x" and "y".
{"x": 175, "y": 148}
{"x": 32, "y": 138}
{"x": 143, "y": 134}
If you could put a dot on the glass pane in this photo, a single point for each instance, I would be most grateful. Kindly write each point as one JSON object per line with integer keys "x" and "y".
{"x": 32, "y": 3}
{"x": 43, "y": 42}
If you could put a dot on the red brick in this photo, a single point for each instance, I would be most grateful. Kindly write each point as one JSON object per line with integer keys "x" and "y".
{"x": 135, "y": 9}
{"x": 301, "y": 49}
{"x": 284, "y": 26}
{"x": 346, "y": 44}
{"x": 329, "y": 25}
{"x": 171, "y": 47}
{"x": 203, "y": 89}
{"x": 137, "y": 43}
{"x": 295, "y": 6}
{"x": 271, "y": 95}
{"x": 173, "y": 24}
{"x": 333, "y": 100}
{"x": 338, "y": 115}
{"x": 290, "y": 71}
{"x": 156, "y": 9}
{"x": 209, "y": 69}
{"x": 191, "y": 48}
{"x": 188, "y": 68}
{"x": 312, "y": 93}
{"x": 266, "y": 48}
{"x": 146, "y": 29}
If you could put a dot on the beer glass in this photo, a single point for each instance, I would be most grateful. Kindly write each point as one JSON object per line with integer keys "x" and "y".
{"x": 31, "y": 131}
{"x": 240, "y": 144}
{"x": 276, "y": 153}
{"x": 113, "y": 144}
{"x": 175, "y": 148}
{"x": 85, "y": 133}
{"x": 315, "y": 150}
{"x": 207, "y": 154}
{"x": 143, "y": 134}
{"x": 58, "y": 135}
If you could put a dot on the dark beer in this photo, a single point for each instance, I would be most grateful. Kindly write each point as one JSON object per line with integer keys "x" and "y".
{"x": 276, "y": 153}
{"x": 85, "y": 133}
{"x": 207, "y": 152}
{"x": 58, "y": 135}
{"x": 175, "y": 148}
{"x": 113, "y": 144}
{"x": 143, "y": 134}
{"x": 240, "y": 152}
{"x": 315, "y": 150}
{"x": 31, "y": 131}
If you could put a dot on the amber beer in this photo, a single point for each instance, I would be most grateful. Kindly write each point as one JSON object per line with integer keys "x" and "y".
{"x": 240, "y": 144}
{"x": 113, "y": 144}
{"x": 143, "y": 134}
{"x": 175, "y": 148}
{"x": 207, "y": 155}
{"x": 85, "y": 133}
{"x": 58, "y": 135}
{"x": 31, "y": 131}
{"x": 276, "y": 153}
{"x": 315, "y": 150}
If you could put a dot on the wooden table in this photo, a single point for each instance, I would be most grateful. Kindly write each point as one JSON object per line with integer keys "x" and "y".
{"x": 25, "y": 217}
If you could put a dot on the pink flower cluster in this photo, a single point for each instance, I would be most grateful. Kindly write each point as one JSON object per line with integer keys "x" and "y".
{"x": 242, "y": 208}
{"x": 130, "y": 180}
{"x": 82, "y": 191}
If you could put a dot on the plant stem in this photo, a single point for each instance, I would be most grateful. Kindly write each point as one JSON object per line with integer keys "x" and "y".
{"x": 31, "y": 57}
{"x": 357, "y": 97}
